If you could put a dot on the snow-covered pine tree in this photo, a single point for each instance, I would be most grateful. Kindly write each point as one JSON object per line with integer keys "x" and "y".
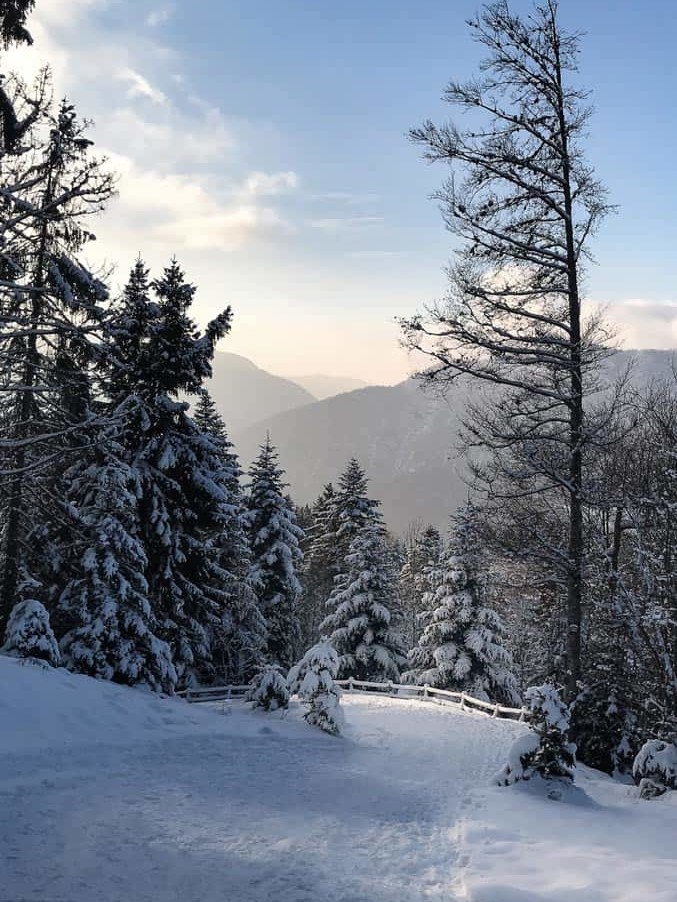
{"x": 461, "y": 646}
{"x": 111, "y": 630}
{"x": 545, "y": 751}
{"x": 319, "y": 566}
{"x": 240, "y": 640}
{"x": 156, "y": 354}
{"x": 362, "y": 625}
{"x": 351, "y": 510}
{"x": 312, "y": 679}
{"x": 274, "y": 539}
{"x": 29, "y": 634}
{"x": 269, "y": 689}
{"x": 52, "y": 314}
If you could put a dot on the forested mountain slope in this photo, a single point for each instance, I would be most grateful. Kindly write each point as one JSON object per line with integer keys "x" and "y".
{"x": 405, "y": 438}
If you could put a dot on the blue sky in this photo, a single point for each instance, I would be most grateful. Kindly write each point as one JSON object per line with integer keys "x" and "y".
{"x": 263, "y": 142}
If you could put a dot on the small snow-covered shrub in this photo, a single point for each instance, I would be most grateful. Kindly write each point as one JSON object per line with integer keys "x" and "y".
{"x": 313, "y": 680}
{"x": 545, "y": 751}
{"x": 655, "y": 768}
{"x": 29, "y": 634}
{"x": 269, "y": 689}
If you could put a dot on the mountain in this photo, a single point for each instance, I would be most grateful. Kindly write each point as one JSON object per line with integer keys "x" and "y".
{"x": 245, "y": 394}
{"x": 404, "y": 438}
{"x": 327, "y": 386}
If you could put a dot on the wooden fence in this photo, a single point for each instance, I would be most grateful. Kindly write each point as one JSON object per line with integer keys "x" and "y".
{"x": 392, "y": 690}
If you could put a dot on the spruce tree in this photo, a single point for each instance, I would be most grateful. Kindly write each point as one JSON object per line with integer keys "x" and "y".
{"x": 312, "y": 679}
{"x": 112, "y": 632}
{"x": 319, "y": 565}
{"x": 29, "y": 634}
{"x": 416, "y": 580}
{"x": 461, "y": 646}
{"x": 351, "y": 510}
{"x": 275, "y": 547}
{"x": 240, "y": 640}
{"x": 156, "y": 355}
{"x": 52, "y": 321}
{"x": 363, "y": 624}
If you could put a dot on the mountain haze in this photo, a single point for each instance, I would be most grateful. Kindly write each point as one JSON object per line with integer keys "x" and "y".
{"x": 405, "y": 438}
{"x": 322, "y": 386}
{"x": 246, "y": 394}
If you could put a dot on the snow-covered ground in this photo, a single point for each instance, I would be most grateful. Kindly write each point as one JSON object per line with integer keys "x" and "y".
{"x": 108, "y": 793}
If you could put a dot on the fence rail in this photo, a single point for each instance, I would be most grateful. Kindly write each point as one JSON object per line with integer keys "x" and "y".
{"x": 213, "y": 693}
{"x": 392, "y": 690}
{"x": 428, "y": 693}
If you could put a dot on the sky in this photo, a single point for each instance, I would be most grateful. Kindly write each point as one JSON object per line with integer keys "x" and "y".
{"x": 263, "y": 142}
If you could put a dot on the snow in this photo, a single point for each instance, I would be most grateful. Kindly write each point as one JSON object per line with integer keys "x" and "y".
{"x": 110, "y": 793}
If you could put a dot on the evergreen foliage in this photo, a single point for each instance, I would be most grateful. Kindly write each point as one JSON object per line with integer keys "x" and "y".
{"x": 112, "y": 631}
{"x": 319, "y": 565}
{"x": 157, "y": 354}
{"x": 461, "y": 646}
{"x": 29, "y": 634}
{"x": 545, "y": 751}
{"x": 362, "y": 625}
{"x": 276, "y": 554}
{"x": 417, "y": 579}
{"x": 269, "y": 690}
{"x": 655, "y": 768}
{"x": 53, "y": 318}
{"x": 240, "y": 639}
{"x": 312, "y": 679}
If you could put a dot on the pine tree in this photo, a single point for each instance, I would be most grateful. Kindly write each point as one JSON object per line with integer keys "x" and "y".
{"x": 269, "y": 689}
{"x": 351, "y": 510}
{"x": 52, "y": 317}
{"x": 276, "y": 554}
{"x": 312, "y": 679}
{"x": 462, "y": 646}
{"x": 416, "y": 580}
{"x": 157, "y": 354}
{"x": 29, "y": 634}
{"x": 319, "y": 566}
{"x": 112, "y": 633}
{"x": 362, "y": 626}
{"x": 545, "y": 751}
{"x": 241, "y": 639}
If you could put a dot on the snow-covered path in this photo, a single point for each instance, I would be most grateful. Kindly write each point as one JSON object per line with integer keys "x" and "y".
{"x": 249, "y": 807}
{"x": 114, "y": 795}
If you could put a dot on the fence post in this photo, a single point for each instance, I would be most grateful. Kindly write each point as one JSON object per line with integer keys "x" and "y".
{"x": 495, "y": 714}
{"x": 350, "y": 684}
{"x": 425, "y": 690}
{"x": 390, "y": 687}
{"x": 462, "y": 701}
{"x": 523, "y": 714}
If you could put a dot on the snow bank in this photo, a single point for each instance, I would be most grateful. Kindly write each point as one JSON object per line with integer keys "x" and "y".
{"x": 54, "y": 709}
{"x": 601, "y": 843}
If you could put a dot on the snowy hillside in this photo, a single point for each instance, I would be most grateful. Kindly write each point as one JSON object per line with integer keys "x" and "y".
{"x": 109, "y": 793}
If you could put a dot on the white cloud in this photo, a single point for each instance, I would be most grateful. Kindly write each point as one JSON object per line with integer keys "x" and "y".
{"x": 159, "y": 16}
{"x": 140, "y": 86}
{"x": 259, "y": 184}
{"x": 642, "y": 323}
{"x": 183, "y": 180}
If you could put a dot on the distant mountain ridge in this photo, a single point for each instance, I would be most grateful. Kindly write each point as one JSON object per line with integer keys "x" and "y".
{"x": 246, "y": 394}
{"x": 406, "y": 440}
{"x": 323, "y": 386}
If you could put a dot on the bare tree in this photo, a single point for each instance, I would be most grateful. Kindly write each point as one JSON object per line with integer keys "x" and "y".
{"x": 524, "y": 203}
